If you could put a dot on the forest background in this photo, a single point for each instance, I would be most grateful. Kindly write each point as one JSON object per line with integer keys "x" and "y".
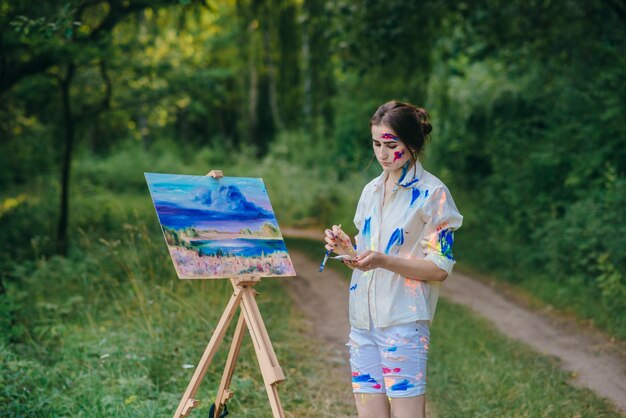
{"x": 527, "y": 100}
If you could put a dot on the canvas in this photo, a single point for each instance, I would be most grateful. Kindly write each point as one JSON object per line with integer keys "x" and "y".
{"x": 219, "y": 228}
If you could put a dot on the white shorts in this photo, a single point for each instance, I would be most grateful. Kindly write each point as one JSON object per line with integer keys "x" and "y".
{"x": 390, "y": 360}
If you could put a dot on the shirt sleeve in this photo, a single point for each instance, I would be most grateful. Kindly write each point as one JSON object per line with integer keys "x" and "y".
{"x": 358, "y": 216}
{"x": 442, "y": 218}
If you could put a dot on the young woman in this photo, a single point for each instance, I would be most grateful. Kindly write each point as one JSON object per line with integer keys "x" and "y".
{"x": 406, "y": 218}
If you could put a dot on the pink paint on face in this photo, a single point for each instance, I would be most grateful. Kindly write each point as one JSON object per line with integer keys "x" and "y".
{"x": 397, "y": 155}
{"x": 387, "y": 135}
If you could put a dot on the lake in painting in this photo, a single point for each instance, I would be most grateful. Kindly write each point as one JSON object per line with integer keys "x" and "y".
{"x": 217, "y": 228}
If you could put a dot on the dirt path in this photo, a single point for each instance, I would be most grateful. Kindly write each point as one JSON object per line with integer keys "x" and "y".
{"x": 323, "y": 299}
{"x": 588, "y": 355}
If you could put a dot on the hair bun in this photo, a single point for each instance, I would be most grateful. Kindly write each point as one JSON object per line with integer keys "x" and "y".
{"x": 423, "y": 117}
{"x": 427, "y": 127}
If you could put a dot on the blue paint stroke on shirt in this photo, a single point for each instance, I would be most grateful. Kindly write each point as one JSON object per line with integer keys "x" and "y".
{"x": 404, "y": 385}
{"x": 391, "y": 349}
{"x": 367, "y": 232}
{"x": 396, "y": 237}
{"x": 415, "y": 194}
{"x": 446, "y": 239}
{"x": 405, "y": 170}
{"x": 353, "y": 287}
{"x": 363, "y": 378}
{"x": 410, "y": 183}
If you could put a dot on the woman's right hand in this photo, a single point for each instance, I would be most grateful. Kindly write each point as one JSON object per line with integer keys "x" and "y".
{"x": 338, "y": 241}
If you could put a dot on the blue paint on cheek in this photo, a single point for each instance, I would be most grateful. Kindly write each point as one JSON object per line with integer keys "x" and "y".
{"x": 404, "y": 385}
{"x": 353, "y": 287}
{"x": 396, "y": 237}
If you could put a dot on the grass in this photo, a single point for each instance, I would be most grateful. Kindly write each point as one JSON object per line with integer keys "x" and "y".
{"x": 474, "y": 371}
{"x": 110, "y": 330}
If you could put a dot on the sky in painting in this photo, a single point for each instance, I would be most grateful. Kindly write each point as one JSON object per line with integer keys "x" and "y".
{"x": 228, "y": 204}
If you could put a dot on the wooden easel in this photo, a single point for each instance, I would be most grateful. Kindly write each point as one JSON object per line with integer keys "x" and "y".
{"x": 250, "y": 317}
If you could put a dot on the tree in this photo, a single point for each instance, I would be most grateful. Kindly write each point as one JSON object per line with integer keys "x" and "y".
{"x": 56, "y": 43}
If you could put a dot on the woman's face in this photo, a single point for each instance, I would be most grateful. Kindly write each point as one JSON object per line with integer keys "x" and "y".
{"x": 390, "y": 151}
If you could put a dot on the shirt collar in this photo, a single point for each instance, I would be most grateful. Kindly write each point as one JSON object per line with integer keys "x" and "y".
{"x": 411, "y": 178}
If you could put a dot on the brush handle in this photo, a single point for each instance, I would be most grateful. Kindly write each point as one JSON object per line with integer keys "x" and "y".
{"x": 344, "y": 257}
{"x": 324, "y": 260}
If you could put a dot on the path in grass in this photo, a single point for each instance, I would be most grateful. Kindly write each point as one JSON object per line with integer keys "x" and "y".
{"x": 588, "y": 355}
{"x": 324, "y": 301}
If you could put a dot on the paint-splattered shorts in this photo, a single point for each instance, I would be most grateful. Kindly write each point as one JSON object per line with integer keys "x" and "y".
{"x": 390, "y": 360}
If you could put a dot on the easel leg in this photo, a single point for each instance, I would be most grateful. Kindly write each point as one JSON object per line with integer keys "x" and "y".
{"x": 244, "y": 296}
{"x": 224, "y": 393}
{"x": 187, "y": 403}
{"x": 270, "y": 369}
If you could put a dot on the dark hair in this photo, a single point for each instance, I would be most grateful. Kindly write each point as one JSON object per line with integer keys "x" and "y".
{"x": 409, "y": 122}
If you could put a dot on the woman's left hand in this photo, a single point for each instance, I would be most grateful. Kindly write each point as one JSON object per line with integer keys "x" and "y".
{"x": 368, "y": 260}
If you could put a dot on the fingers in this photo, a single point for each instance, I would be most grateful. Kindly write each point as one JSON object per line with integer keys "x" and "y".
{"x": 365, "y": 261}
{"x": 330, "y": 240}
{"x": 338, "y": 241}
{"x": 340, "y": 238}
{"x": 329, "y": 237}
{"x": 215, "y": 174}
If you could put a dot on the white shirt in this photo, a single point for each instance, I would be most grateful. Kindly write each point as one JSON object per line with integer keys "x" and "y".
{"x": 417, "y": 223}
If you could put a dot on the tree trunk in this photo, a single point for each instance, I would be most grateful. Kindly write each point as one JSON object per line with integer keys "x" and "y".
{"x": 271, "y": 75}
{"x": 307, "y": 77}
{"x": 253, "y": 92}
{"x": 66, "y": 163}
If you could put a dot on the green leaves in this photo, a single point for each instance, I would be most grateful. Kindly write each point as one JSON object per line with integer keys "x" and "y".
{"x": 61, "y": 23}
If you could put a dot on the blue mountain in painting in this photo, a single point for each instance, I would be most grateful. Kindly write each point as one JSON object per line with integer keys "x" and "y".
{"x": 230, "y": 199}
{"x": 225, "y": 203}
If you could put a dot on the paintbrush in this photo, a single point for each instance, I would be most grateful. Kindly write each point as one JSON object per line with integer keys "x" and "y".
{"x": 344, "y": 257}
{"x": 324, "y": 260}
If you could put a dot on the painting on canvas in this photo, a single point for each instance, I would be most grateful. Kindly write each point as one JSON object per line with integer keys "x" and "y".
{"x": 219, "y": 228}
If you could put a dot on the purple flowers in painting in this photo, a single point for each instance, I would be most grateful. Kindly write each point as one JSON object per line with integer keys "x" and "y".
{"x": 216, "y": 228}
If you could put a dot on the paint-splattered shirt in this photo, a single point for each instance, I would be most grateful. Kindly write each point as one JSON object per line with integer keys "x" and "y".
{"x": 418, "y": 222}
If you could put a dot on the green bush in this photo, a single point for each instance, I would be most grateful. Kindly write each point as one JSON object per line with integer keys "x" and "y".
{"x": 537, "y": 166}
